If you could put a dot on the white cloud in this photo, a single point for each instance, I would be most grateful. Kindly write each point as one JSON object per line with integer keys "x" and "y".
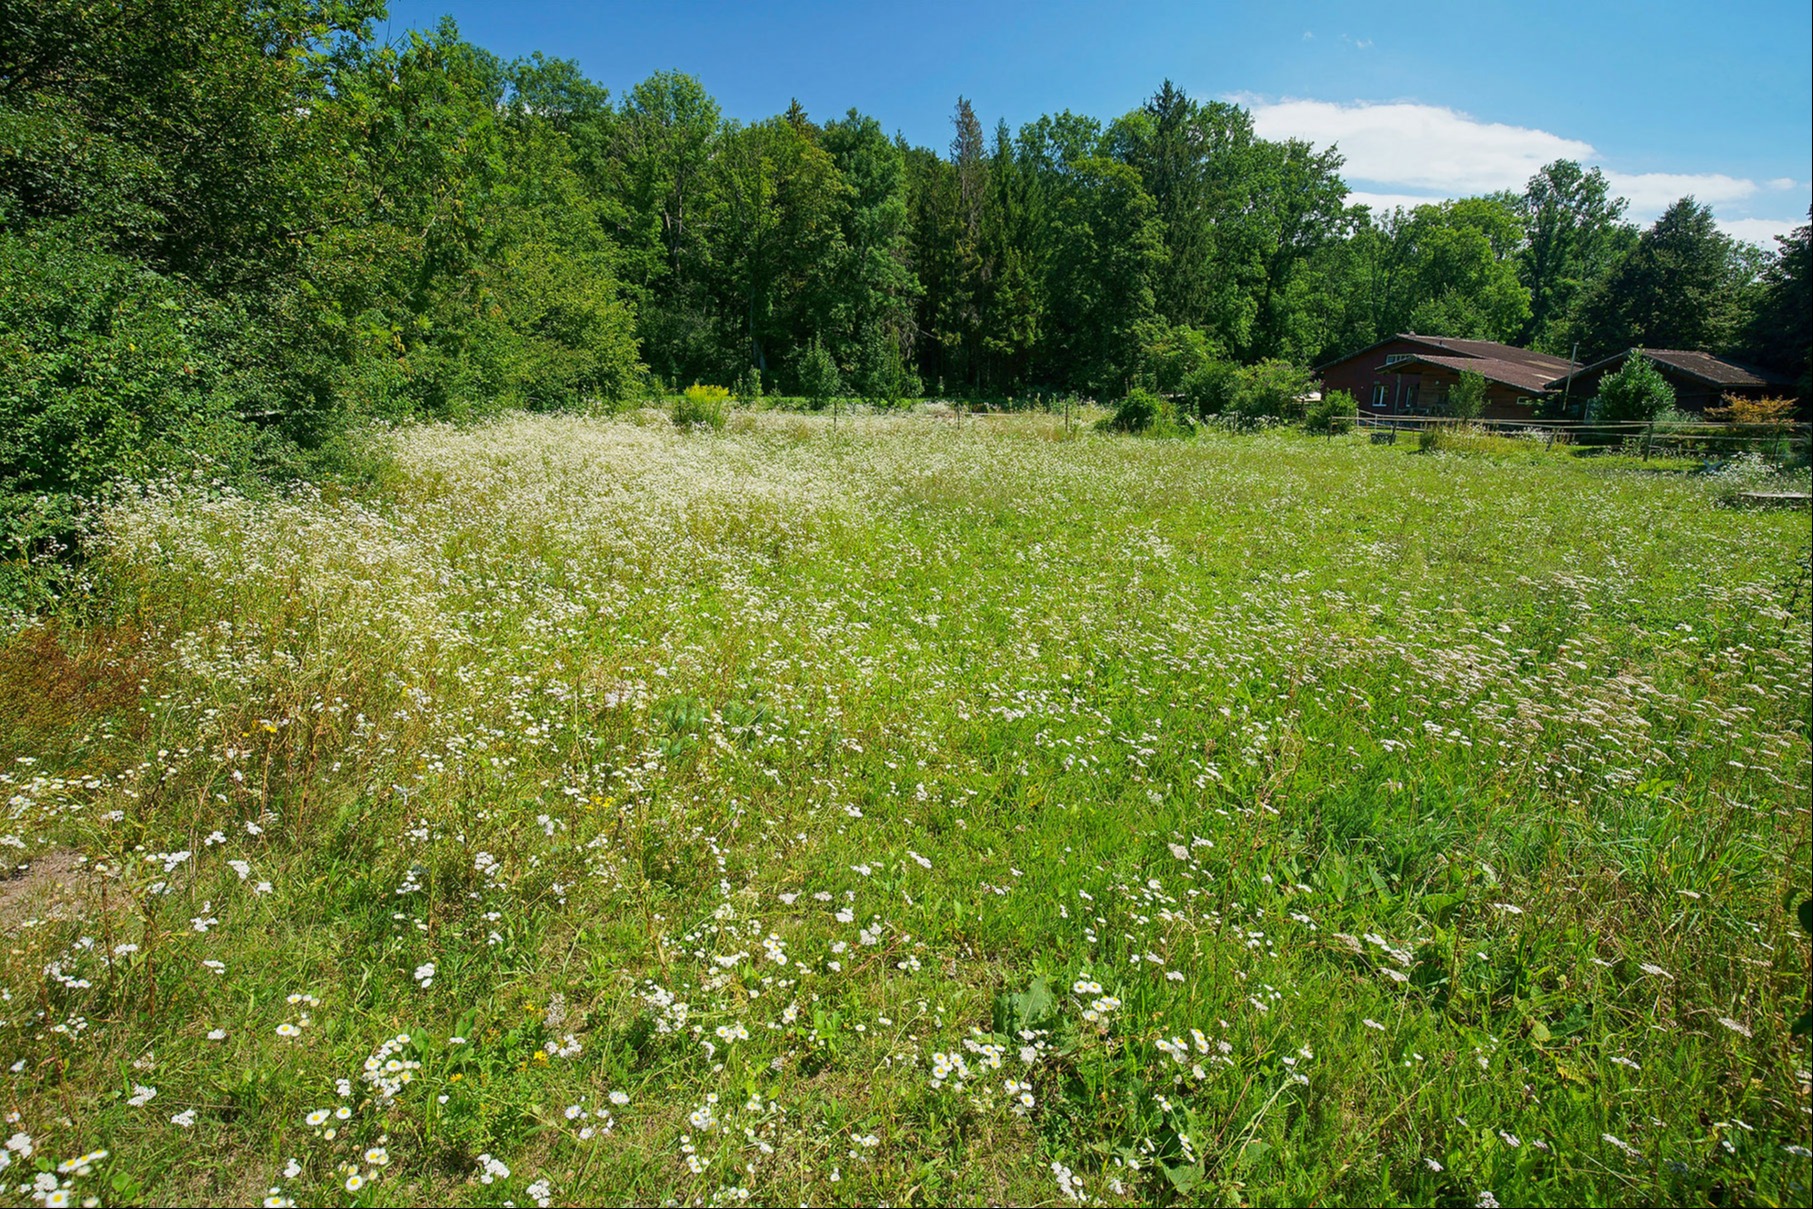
{"x": 1405, "y": 153}
{"x": 1427, "y": 146}
{"x": 1653, "y": 192}
{"x": 1759, "y": 230}
{"x": 1783, "y": 182}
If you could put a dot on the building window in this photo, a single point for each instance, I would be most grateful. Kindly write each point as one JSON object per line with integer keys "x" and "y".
{"x": 1410, "y": 393}
{"x": 1394, "y": 358}
{"x": 1378, "y": 394}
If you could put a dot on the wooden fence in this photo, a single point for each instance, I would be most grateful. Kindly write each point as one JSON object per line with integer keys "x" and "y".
{"x": 1695, "y": 439}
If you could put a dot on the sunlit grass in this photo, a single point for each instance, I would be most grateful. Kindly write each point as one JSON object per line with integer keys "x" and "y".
{"x": 919, "y": 812}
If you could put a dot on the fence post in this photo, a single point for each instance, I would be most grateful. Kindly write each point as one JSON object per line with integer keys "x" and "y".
{"x": 1648, "y": 430}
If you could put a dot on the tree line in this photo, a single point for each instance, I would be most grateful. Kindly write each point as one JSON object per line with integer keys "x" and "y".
{"x": 228, "y": 228}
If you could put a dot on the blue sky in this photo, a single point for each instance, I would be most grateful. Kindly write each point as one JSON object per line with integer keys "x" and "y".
{"x": 1425, "y": 100}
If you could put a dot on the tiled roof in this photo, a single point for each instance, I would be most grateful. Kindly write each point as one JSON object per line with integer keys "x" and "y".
{"x": 1493, "y": 351}
{"x": 1482, "y": 349}
{"x": 1702, "y": 367}
{"x": 1531, "y": 379}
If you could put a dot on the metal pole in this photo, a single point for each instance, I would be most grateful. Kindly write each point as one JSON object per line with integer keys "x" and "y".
{"x": 1572, "y": 361}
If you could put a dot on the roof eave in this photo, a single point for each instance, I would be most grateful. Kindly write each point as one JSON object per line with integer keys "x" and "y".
{"x": 1674, "y": 367}
{"x": 1418, "y": 362}
{"x": 1425, "y": 341}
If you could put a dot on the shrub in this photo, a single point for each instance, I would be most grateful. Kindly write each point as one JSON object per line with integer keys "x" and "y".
{"x": 1247, "y": 395}
{"x": 1211, "y": 388}
{"x": 1272, "y": 390}
{"x": 1637, "y": 392}
{"x": 706, "y": 405}
{"x": 819, "y": 378}
{"x": 1334, "y": 412}
{"x": 1468, "y": 398}
{"x": 110, "y": 370}
{"x": 1137, "y": 412}
{"x": 749, "y": 387}
{"x": 1774, "y": 414}
{"x": 1142, "y": 411}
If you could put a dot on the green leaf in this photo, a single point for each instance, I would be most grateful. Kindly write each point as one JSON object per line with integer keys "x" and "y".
{"x": 1185, "y": 1176}
{"x": 1026, "y": 1009}
{"x": 1440, "y": 907}
{"x": 1253, "y": 1153}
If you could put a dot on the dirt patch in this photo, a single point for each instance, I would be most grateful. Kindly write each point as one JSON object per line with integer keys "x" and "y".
{"x": 55, "y": 884}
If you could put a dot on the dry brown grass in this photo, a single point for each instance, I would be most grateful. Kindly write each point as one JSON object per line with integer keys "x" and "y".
{"x": 58, "y": 685}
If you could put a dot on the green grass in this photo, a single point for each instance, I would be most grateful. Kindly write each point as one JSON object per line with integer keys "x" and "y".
{"x": 1451, "y": 801}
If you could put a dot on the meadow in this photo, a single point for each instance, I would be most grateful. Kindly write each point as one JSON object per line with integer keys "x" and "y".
{"x": 913, "y": 811}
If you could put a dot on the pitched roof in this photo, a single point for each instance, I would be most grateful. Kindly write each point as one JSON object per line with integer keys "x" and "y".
{"x": 1492, "y": 350}
{"x": 1483, "y": 349}
{"x": 1691, "y": 363}
{"x": 1531, "y": 379}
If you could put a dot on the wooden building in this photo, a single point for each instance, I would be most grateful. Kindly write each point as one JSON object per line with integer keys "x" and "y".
{"x": 1412, "y": 375}
{"x": 1700, "y": 380}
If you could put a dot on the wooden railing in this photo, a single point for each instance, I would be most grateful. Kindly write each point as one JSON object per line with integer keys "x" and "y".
{"x": 1668, "y": 438}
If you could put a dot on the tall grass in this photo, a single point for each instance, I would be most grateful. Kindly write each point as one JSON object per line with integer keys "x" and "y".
{"x": 917, "y": 812}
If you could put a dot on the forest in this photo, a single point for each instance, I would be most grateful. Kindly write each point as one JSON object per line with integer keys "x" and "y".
{"x": 231, "y": 231}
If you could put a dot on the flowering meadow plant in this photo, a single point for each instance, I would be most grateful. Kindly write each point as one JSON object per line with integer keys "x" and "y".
{"x": 614, "y": 812}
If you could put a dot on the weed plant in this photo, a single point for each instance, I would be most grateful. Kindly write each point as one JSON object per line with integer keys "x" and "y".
{"x": 917, "y": 813}
{"x": 701, "y": 407}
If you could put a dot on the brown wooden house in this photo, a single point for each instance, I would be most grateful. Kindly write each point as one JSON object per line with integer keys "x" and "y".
{"x": 1412, "y": 375}
{"x": 1700, "y": 380}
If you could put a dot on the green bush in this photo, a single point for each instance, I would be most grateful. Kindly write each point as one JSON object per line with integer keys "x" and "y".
{"x": 1211, "y": 388}
{"x": 701, "y": 405}
{"x": 749, "y": 387}
{"x": 1636, "y": 392}
{"x": 819, "y": 378}
{"x": 1247, "y": 395}
{"x": 1142, "y": 411}
{"x": 1334, "y": 412}
{"x": 1137, "y": 412}
{"x": 1272, "y": 389}
{"x": 1468, "y": 398}
{"x": 109, "y": 369}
